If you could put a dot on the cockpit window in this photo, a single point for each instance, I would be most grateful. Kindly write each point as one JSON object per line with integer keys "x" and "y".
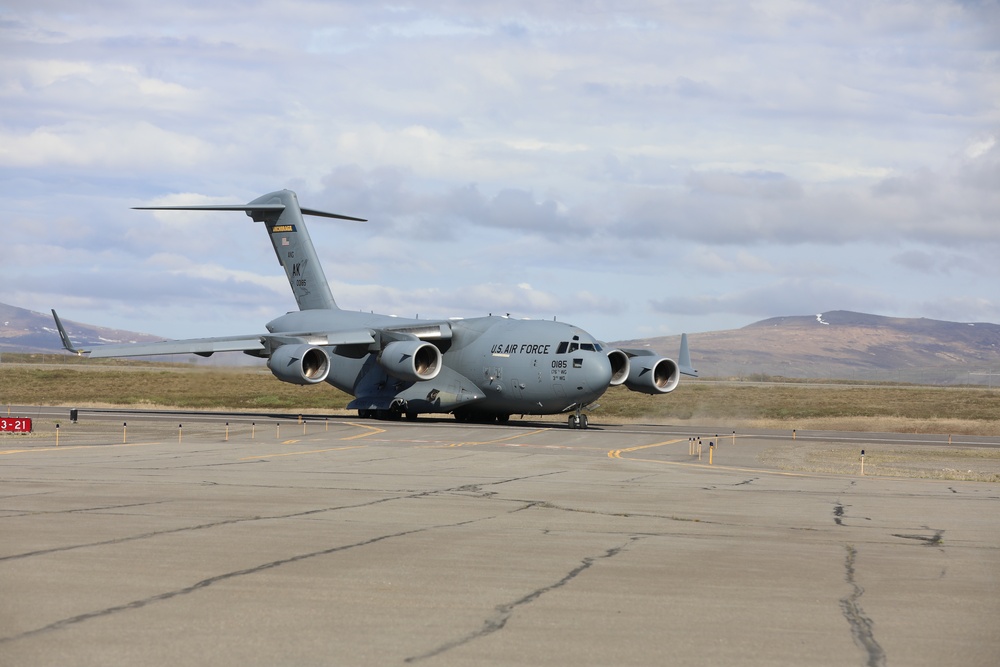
{"x": 565, "y": 347}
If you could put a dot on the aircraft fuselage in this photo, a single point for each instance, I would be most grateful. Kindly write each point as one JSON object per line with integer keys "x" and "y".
{"x": 492, "y": 365}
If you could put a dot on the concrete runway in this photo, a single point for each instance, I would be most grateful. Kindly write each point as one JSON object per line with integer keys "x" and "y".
{"x": 348, "y": 542}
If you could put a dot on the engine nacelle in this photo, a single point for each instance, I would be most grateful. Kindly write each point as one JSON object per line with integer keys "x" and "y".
{"x": 299, "y": 364}
{"x": 652, "y": 375}
{"x": 619, "y": 367}
{"x": 411, "y": 360}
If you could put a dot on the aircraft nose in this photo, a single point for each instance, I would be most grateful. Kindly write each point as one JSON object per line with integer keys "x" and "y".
{"x": 597, "y": 371}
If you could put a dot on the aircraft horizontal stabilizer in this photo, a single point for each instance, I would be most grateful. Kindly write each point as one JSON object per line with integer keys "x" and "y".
{"x": 324, "y": 214}
{"x": 249, "y": 209}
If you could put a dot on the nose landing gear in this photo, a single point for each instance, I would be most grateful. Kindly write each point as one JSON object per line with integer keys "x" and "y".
{"x": 578, "y": 420}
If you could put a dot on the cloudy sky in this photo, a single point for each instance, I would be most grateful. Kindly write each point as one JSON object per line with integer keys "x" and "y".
{"x": 638, "y": 168}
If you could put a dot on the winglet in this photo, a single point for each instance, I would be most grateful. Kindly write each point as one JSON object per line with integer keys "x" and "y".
{"x": 67, "y": 343}
{"x": 684, "y": 358}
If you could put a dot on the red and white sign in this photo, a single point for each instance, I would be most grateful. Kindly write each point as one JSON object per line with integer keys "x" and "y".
{"x": 15, "y": 424}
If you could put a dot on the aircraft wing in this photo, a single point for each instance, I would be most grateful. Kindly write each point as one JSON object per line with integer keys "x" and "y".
{"x": 254, "y": 344}
{"x": 202, "y": 346}
{"x": 683, "y": 357}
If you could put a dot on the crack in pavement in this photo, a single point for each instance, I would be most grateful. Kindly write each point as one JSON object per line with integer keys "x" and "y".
{"x": 84, "y": 510}
{"x": 930, "y": 541}
{"x": 862, "y": 627}
{"x": 210, "y": 581}
{"x": 229, "y": 522}
{"x": 838, "y": 514}
{"x": 502, "y": 613}
{"x": 205, "y": 583}
{"x": 543, "y": 504}
{"x": 182, "y": 529}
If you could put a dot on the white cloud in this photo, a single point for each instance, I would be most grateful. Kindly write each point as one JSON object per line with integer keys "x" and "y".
{"x": 185, "y": 267}
{"x": 86, "y": 145}
{"x": 980, "y": 147}
{"x": 721, "y": 161}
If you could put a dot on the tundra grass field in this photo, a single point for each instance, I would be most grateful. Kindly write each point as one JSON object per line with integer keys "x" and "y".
{"x": 948, "y": 411}
{"x": 65, "y": 380}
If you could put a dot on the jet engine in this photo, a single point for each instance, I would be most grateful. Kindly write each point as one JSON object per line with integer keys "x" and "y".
{"x": 299, "y": 364}
{"x": 410, "y": 360}
{"x": 619, "y": 367}
{"x": 652, "y": 375}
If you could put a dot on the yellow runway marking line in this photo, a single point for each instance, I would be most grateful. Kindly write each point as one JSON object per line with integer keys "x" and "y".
{"x": 617, "y": 453}
{"x": 473, "y": 443}
{"x": 373, "y": 430}
{"x": 530, "y": 446}
{"x": 64, "y": 448}
{"x": 726, "y": 468}
{"x": 311, "y": 451}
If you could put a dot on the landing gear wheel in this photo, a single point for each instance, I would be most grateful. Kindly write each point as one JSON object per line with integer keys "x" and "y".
{"x": 503, "y": 419}
{"x": 411, "y": 416}
{"x": 583, "y": 421}
{"x": 573, "y": 421}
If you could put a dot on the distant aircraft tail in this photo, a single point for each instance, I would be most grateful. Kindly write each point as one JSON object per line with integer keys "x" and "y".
{"x": 281, "y": 214}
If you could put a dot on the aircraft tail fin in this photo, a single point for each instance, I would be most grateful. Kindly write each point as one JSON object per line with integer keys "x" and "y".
{"x": 282, "y": 216}
{"x": 684, "y": 358}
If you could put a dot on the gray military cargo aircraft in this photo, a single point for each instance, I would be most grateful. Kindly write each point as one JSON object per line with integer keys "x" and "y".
{"x": 481, "y": 369}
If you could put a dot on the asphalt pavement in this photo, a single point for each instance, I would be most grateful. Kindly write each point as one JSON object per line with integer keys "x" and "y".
{"x": 339, "y": 541}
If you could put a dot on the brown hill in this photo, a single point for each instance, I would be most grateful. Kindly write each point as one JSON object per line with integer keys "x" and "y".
{"x": 23, "y": 330}
{"x": 845, "y": 345}
{"x": 834, "y": 345}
